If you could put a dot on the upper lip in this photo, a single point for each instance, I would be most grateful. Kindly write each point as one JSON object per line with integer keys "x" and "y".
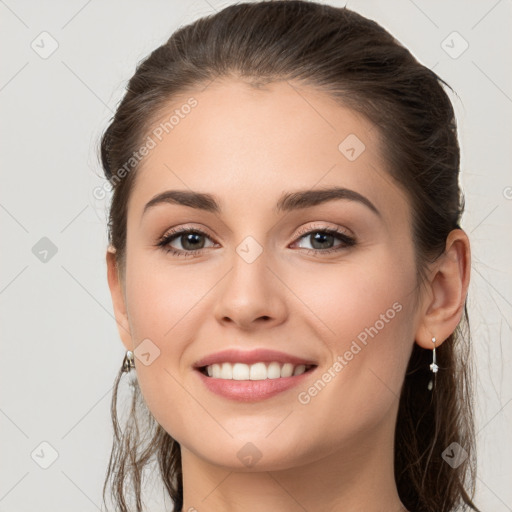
{"x": 250, "y": 357}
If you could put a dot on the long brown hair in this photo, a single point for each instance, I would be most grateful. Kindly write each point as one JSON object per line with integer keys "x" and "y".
{"x": 362, "y": 66}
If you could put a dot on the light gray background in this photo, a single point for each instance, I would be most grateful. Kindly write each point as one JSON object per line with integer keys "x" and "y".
{"x": 60, "y": 346}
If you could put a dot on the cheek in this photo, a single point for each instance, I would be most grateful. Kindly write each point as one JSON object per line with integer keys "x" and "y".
{"x": 346, "y": 299}
{"x": 163, "y": 308}
{"x": 369, "y": 339}
{"x": 163, "y": 297}
{"x": 364, "y": 313}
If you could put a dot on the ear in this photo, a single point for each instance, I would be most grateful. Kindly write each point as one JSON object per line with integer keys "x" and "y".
{"x": 446, "y": 291}
{"x": 118, "y": 298}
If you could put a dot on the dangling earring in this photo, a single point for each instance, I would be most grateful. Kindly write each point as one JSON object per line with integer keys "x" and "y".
{"x": 433, "y": 365}
{"x": 128, "y": 362}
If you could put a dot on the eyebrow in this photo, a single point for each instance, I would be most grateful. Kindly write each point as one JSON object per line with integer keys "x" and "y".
{"x": 290, "y": 201}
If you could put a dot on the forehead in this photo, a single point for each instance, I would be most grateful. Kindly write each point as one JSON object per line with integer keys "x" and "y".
{"x": 250, "y": 144}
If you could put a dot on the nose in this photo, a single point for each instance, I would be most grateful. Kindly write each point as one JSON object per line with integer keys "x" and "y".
{"x": 251, "y": 294}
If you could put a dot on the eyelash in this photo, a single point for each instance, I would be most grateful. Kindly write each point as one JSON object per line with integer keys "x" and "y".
{"x": 164, "y": 241}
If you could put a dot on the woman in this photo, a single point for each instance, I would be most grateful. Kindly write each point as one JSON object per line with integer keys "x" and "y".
{"x": 287, "y": 269}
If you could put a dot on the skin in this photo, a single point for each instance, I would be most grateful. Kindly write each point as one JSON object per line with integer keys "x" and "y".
{"x": 248, "y": 146}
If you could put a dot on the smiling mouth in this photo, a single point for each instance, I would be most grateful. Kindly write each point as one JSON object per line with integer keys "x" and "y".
{"x": 254, "y": 372}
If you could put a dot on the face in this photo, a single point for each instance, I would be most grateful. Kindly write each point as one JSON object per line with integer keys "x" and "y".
{"x": 329, "y": 280}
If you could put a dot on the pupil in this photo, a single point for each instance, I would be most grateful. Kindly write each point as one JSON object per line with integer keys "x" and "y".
{"x": 189, "y": 238}
{"x": 317, "y": 237}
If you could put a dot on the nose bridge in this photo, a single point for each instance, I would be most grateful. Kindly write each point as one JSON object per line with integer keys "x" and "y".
{"x": 250, "y": 290}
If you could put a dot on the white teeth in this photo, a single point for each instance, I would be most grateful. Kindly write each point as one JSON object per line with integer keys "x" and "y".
{"x": 287, "y": 370}
{"x": 240, "y": 371}
{"x": 226, "y": 371}
{"x": 299, "y": 369}
{"x": 274, "y": 371}
{"x": 256, "y": 371}
{"x": 216, "y": 371}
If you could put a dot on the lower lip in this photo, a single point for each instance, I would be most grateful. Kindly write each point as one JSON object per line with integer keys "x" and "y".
{"x": 252, "y": 390}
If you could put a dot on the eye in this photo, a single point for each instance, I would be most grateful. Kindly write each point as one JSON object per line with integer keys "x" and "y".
{"x": 189, "y": 238}
{"x": 323, "y": 238}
